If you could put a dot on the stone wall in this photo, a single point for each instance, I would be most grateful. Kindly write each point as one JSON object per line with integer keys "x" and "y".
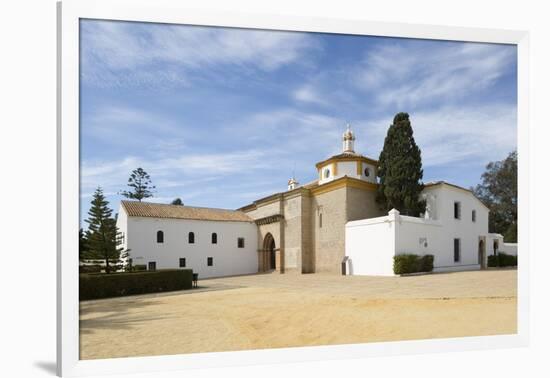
{"x": 361, "y": 204}
{"x": 329, "y": 237}
{"x": 293, "y": 233}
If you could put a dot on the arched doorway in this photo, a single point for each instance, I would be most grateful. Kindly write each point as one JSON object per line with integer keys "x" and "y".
{"x": 270, "y": 260}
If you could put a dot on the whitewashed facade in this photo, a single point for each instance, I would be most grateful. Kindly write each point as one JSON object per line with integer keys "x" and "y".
{"x": 160, "y": 242}
{"x": 454, "y": 230}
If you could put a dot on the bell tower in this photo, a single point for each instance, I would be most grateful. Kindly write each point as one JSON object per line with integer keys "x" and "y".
{"x": 347, "y": 141}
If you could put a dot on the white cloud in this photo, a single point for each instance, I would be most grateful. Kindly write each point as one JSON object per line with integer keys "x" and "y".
{"x": 146, "y": 54}
{"x": 454, "y": 134}
{"x": 309, "y": 94}
{"x": 420, "y": 72}
{"x": 180, "y": 171}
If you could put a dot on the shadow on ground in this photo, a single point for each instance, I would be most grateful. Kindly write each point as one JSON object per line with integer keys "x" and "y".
{"x": 115, "y": 311}
{"x": 47, "y": 366}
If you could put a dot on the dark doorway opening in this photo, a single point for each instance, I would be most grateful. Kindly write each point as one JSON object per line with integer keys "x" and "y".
{"x": 272, "y": 260}
{"x": 481, "y": 257}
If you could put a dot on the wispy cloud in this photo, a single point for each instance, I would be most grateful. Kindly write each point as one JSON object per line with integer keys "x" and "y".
{"x": 454, "y": 135}
{"x": 309, "y": 94}
{"x": 127, "y": 53}
{"x": 419, "y": 72}
{"x": 221, "y": 117}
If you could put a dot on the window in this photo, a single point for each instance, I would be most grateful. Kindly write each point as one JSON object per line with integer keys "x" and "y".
{"x": 160, "y": 237}
{"x": 152, "y": 265}
{"x": 367, "y": 172}
{"x": 182, "y": 262}
{"x": 457, "y": 210}
{"x": 473, "y": 215}
{"x": 210, "y": 261}
{"x": 320, "y": 220}
{"x": 191, "y": 238}
{"x": 457, "y": 250}
{"x": 327, "y": 173}
{"x": 240, "y": 242}
{"x": 214, "y": 238}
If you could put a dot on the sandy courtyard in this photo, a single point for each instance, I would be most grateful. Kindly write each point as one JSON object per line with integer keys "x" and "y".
{"x": 273, "y": 310}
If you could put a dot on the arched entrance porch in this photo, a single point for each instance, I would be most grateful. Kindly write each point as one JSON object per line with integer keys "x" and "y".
{"x": 268, "y": 254}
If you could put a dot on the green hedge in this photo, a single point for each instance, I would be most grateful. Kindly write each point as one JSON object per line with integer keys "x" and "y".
{"x": 95, "y": 286}
{"x": 409, "y": 263}
{"x": 90, "y": 268}
{"x": 501, "y": 260}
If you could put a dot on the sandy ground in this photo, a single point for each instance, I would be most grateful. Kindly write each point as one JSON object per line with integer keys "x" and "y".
{"x": 273, "y": 310}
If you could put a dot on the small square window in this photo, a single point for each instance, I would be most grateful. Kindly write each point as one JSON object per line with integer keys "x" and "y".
{"x": 240, "y": 242}
{"x": 210, "y": 261}
{"x": 182, "y": 262}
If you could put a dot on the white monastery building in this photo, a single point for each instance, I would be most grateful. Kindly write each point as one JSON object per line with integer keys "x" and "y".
{"x": 212, "y": 242}
{"x": 332, "y": 224}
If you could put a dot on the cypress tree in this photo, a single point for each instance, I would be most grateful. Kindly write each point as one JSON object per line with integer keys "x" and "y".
{"x": 400, "y": 169}
{"x": 102, "y": 234}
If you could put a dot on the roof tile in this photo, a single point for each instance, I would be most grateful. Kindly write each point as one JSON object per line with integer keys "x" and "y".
{"x": 159, "y": 210}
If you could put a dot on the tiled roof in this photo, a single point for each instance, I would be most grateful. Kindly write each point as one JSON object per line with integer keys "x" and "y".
{"x": 441, "y": 182}
{"x": 160, "y": 210}
{"x": 347, "y": 156}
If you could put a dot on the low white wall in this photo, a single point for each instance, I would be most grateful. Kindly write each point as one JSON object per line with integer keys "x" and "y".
{"x": 509, "y": 248}
{"x": 370, "y": 246}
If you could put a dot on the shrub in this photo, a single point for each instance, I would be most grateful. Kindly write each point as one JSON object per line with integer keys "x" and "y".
{"x": 410, "y": 263}
{"x": 139, "y": 268}
{"x": 502, "y": 260}
{"x": 90, "y": 268}
{"x": 427, "y": 263}
{"x": 95, "y": 286}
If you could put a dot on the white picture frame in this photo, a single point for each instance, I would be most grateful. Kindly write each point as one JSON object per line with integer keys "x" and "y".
{"x": 171, "y": 11}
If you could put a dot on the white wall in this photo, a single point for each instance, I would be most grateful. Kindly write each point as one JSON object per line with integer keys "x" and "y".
{"x": 348, "y": 168}
{"x": 141, "y": 239}
{"x": 372, "y": 174}
{"x": 468, "y": 231}
{"x": 370, "y": 246}
{"x": 509, "y": 248}
{"x": 372, "y": 243}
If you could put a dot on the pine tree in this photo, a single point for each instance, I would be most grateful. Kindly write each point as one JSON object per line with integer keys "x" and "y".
{"x": 103, "y": 240}
{"x": 400, "y": 169}
{"x": 140, "y": 182}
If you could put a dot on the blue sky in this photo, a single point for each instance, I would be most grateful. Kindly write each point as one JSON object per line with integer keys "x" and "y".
{"x": 220, "y": 117}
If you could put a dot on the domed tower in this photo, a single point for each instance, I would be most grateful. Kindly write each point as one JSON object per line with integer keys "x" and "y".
{"x": 347, "y": 139}
{"x": 349, "y": 163}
